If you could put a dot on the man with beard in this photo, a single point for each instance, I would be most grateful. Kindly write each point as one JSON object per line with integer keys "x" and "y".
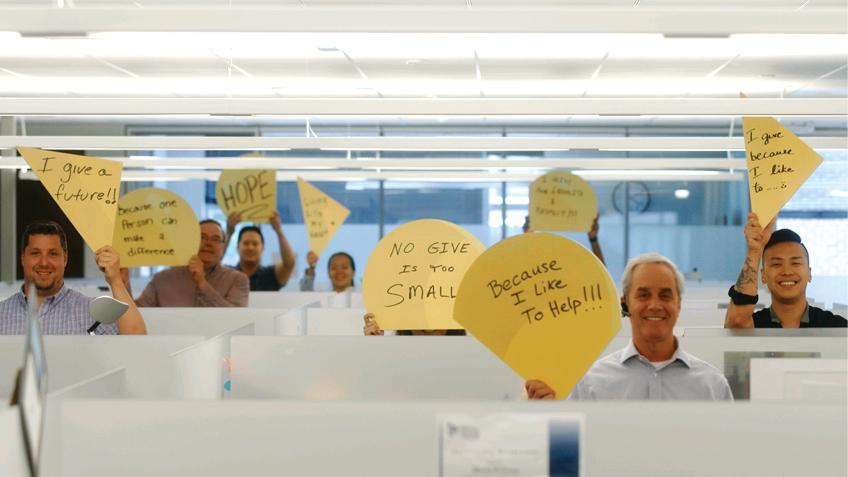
{"x": 62, "y": 310}
{"x": 203, "y": 282}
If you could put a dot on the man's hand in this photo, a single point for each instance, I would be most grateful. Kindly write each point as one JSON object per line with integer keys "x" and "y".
{"x": 232, "y": 220}
{"x": 371, "y": 327}
{"x": 109, "y": 263}
{"x": 198, "y": 274}
{"x": 275, "y": 222}
{"x": 311, "y": 259}
{"x": 539, "y": 390}
{"x": 593, "y": 231}
{"x": 756, "y": 236}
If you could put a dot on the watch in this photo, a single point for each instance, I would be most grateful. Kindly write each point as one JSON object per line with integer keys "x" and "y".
{"x": 739, "y": 298}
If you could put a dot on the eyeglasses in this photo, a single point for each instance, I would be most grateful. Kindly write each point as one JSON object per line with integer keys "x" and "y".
{"x": 213, "y": 239}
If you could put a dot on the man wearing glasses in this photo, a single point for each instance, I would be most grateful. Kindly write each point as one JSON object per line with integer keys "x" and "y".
{"x": 203, "y": 282}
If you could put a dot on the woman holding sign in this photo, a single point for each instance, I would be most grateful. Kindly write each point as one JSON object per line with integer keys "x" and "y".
{"x": 251, "y": 244}
{"x": 340, "y": 268}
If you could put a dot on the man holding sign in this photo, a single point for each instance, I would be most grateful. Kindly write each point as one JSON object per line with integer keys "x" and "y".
{"x": 61, "y": 309}
{"x": 652, "y": 366}
{"x": 786, "y": 272}
{"x": 250, "y": 246}
{"x": 204, "y": 282}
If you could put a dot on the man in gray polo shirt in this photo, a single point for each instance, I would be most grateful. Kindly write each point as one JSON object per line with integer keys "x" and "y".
{"x": 652, "y": 366}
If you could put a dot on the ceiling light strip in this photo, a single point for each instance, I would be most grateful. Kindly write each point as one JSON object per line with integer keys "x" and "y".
{"x": 315, "y": 107}
{"x": 426, "y": 19}
{"x": 433, "y": 176}
{"x": 384, "y": 143}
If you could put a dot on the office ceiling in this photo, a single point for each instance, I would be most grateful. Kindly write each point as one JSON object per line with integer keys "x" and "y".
{"x": 690, "y": 53}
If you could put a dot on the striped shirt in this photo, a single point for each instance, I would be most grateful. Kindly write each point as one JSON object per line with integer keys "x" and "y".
{"x": 65, "y": 313}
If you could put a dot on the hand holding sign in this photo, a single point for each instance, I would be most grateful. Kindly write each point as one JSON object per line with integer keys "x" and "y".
{"x": 562, "y": 201}
{"x": 86, "y": 188}
{"x": 250, "y": 192}
{"x": 544, "y": 304}
{"x": 778, "y": 164}
{"x": 155, "y": 227}
{"x": 414, "y": 272}
{"x": 322, "y": 215}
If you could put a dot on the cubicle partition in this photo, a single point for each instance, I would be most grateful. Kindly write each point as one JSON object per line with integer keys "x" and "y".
{"x": 209, "y": 322}
{"x": 73, "y": 359}
{"x": 401, "y": 438}
{"x": 351, "y": 368}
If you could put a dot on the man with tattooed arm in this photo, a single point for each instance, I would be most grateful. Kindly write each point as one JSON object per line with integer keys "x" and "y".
{"x": 786, "y": 272}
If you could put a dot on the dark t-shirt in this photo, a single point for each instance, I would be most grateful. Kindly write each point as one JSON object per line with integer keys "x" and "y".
{"x": 818, "y": 319}
{"x": 265, "y": 279}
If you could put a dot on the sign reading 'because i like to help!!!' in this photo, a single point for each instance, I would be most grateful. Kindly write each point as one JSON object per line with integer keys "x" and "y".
{"x": 544, "y": 304}
{"x": 86, "y": 188}
{"x": 322, "y": 215}
{"x": 562, "y": 201}
{"x": 155, "y": 227}
{"x": 412, "y": 275}
{"x": 250, "y": 192}
{"x": 778, "y": 164}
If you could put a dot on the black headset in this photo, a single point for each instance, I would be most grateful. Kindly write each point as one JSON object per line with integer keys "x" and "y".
{"x": 624, "y": 311}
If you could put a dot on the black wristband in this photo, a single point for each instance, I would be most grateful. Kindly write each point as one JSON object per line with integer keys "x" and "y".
{"x": 593, "y": 239}
{"x": 739, "y": 298}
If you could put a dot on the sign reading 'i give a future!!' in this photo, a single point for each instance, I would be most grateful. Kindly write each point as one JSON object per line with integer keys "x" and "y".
{"x": 86, "y": 189}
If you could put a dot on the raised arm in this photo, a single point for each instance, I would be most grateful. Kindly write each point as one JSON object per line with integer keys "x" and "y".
{"x": 131, "y": 322}
{"x": 307, "y": 283}
{"x": 284, "y": 267}
{"x": 232, "y": 220}
{"x": 740, "y": 313}
{"x": 593, "y": 240}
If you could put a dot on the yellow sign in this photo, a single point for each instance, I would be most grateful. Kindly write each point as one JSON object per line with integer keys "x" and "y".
{"x": 252, "y": 192}
{"x": 86, "y": 188}
{"x": 322, "y": 215}
{"x": 562, "y": 201}
{"x": 544, "y": 304}
{"x": 413, "y": 274}
{"x": 778, "y": 164}
{"x": 155, "y": 227}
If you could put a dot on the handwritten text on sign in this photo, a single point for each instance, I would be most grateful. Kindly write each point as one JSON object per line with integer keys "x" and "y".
{"x": 322, "y": 215}
{"x": 562, "y": 201}
{"x": 155, "y": 227}
{"x": 543, "y": 303}
{"x": 413, "y": 275}
{"x": 86, "y": 188}
{"x": 250, "y": 192}
{"x": 527, "y": 286}
{"x": 778, "y": 164}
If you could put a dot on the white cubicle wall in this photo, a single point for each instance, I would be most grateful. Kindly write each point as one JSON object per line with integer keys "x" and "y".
{"x": 73, "y": 359}
{"x": 208, "y": 322}
{"x": 400, "y": 438}
{"x": 799, "y": 379}
{"x": 350, "y": 368}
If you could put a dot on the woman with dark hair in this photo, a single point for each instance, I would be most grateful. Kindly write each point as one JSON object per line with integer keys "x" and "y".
{"x": 371, "y": 328}
{"x": 340, "y": 268}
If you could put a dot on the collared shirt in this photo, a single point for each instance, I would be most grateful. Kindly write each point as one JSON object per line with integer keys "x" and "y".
{"x": 65, "y": 313}
{"x": 175, "y": 287}
{"x": 813, "y": 317}
{"x": 626, "y": 374}
{"x": 263, "y": 279}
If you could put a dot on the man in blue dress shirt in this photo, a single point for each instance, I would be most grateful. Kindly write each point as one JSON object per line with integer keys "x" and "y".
{"x": 652, "y": 366}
